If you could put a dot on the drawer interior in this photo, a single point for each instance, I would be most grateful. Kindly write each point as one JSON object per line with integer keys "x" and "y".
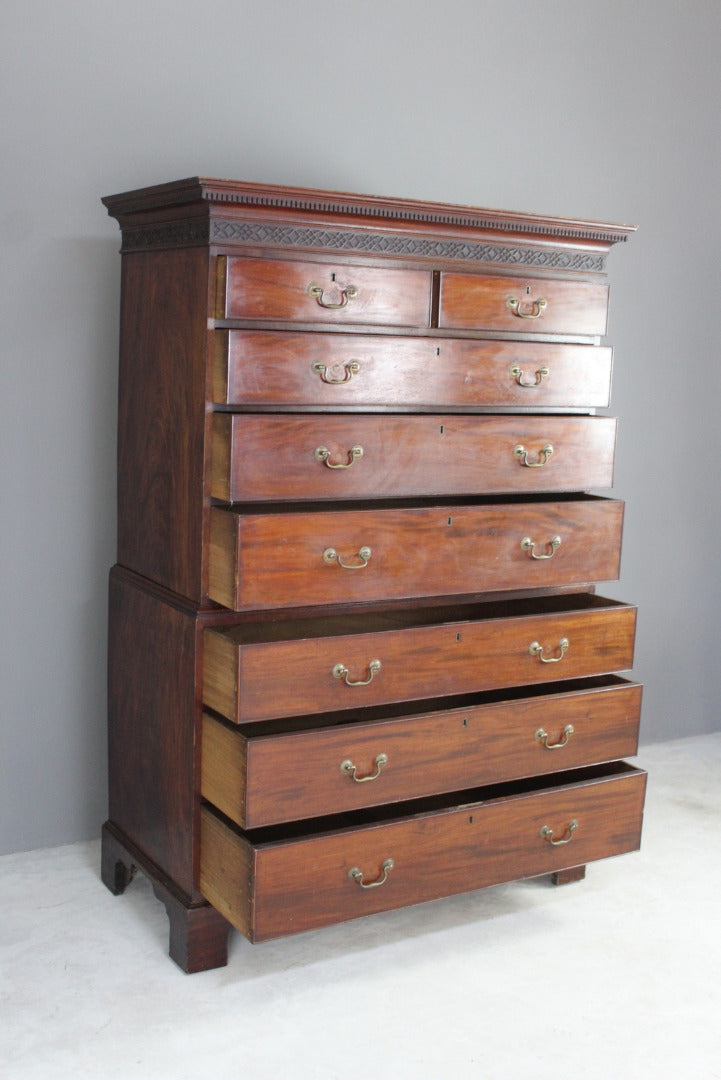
{"x": 377, "y": 815}
{"x": 283, "y": 629}
{"x": 399, "y": 710}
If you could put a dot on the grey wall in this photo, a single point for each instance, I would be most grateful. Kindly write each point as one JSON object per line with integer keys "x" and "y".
{"x": 604, "y": 110}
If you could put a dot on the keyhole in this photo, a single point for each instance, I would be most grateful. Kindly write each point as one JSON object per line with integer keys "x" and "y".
{"x": 442, "y": 429}
{"x": 528, "y": 287}
{"x": 332, "y": 277}
{"x": 465, "y": 721}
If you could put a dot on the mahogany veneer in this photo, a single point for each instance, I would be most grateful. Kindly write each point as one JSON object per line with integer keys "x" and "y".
{"x": 269, "y": 887}
{"x": 284, "y": 369}
{"x": 273, "y": 560}
{"x": 356, "y": 657}
{"x": 260, "y": 289}
{"x": 260, "y": 775}
{"x": 404, "y": 456}
{"x": 477, "y": 302}
{"x": 464, "y": 653}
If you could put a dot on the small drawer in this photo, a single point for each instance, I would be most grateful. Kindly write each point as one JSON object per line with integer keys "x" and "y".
{"x": 523, "y": 305}
{"x": 327, "y": 293}
{"x": 300, "y": 667}
{"x": 281, "y": 560}
{"x": 272, "y": 882}
{"x": 304, "y": 456}
{"x": 268, "y": 774}
{"x": 346, "y": 371}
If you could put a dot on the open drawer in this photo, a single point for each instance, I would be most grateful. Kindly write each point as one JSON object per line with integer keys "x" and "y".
{"x": 260, "y": 458}
{"x": 287, "y": 770}
{"x": 270, "y": 882}
{"x": 305, "y": 559}
{"x": 294, "y": 667}
{"x": 286, "y": 369}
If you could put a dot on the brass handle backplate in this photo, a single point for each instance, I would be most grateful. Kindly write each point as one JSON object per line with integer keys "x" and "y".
{"x": 547, "y": 833}
{"x": 348, "y": 292}
{"x": 529, "y": 545}
{"x": 541, "y": 736}
{"x": 349, "y": 769}
{"x": 537, "y": 307}
{"x": 330, "y": 556}
{"x": 522, "y": 454}
{"x": 351, "y": 368}
{"x": 340, "y": 671}
{"x": 322, "y": 454}
{"x": 541, "y": 374}
{"x": 355, "y": 874}
{"x": 537, "y": 650}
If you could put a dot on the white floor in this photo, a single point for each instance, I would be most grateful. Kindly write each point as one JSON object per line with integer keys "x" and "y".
{"x": 616, "y": 977}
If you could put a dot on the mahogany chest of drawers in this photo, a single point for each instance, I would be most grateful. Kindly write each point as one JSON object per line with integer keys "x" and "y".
{"x": 357, "y": 659}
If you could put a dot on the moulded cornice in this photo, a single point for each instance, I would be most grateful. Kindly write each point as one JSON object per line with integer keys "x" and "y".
{"x": 135, "y": 204}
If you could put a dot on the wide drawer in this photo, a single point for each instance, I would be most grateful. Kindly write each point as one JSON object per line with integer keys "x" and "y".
{"x": 271, "y": 773}
{"x": 328, "y": 293}
{"x": 304, "y": 456}
{"x": 279, "y": 368}
{"x": 267, "y": 883}
{"x": 270, "y": 669}
{"x": 523, "y": 305}
{"x": 298, "y": 559}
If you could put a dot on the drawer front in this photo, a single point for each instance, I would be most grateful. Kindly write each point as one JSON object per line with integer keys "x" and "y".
{"x": 277, "y": 368}
{"x": 318, "y": 292}
{"x": 266, "y": 561}
{"x": 267, "y": 779}
{"x": 284, "y": 887}
{"x": 247, "y": 681}
{"x": 299, "y": 457}
{"x": 523, "y": 305}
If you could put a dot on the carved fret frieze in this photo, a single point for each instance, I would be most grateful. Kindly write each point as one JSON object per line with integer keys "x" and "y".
{"x": 166, "y": 235}
{"x": 221, "y": 231}
{"x": 378, "y": 243}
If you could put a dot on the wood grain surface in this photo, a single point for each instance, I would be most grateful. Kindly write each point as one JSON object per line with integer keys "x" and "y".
{"x": 264, "y": 458}
{"x": 278, "y": 289}
{"x": 263, "y": 367}
{"x": 271, "y": 888}
{"x": 265, "y": 779}
{"x": 480, "y": 301}
{"x": 257, "y": 680}
{"x": 264, "y": 561}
